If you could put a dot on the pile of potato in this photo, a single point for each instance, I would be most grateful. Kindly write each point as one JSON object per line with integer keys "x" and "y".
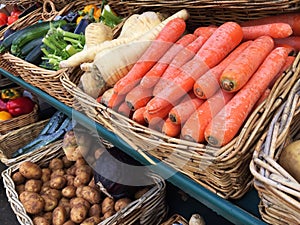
{"x": 63, "y": 193}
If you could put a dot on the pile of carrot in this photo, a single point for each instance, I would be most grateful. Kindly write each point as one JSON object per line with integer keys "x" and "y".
{"x": 202, "y": 86}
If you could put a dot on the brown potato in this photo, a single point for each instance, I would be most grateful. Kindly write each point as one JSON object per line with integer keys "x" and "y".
{"x": 57, "y": 172}
{"x": 46, "y": 184}
{"x": 52, "y": 192}
{"x": 80, "y": 161}
{"x": 122, "y": 203}
{"x": 95, "y": 210}
{"x": 48, "y": 216}
{"x": 46, "y": 174}
{"x": 70, "y": 179}
{"x": 77, "y": 182}
{"x": 33, "y": 185}
{"x": 50, "y": 202}
{"x": 58, "y": 182}
{"x": 20, "y": 188}
{"x": 23, "y": 195}
{"x": 65, "y": 202}
{"x": 69, "y": 191}
{"x": 79, "y": 201}
{"x": 78, "y": 213}
{"x": 67, "y": 163}
{"x": 40, "y": 220}
{"x": 59, "y": 216}
{"x": 71, "y": 170}
{"x": 92, "y": 183}
{"x": 79, "y": 191}
{"x": 56, "y": 163}
{"x": 33, "y": 203}
{"x": 108, "y": 214}
{"x": 84, "y": 174}
{"x": 69, "y": 222}
{"x": 94, "y": 220}
{"x": 30, "y": 170}
{"x": 90, "y": 194}
{"x": 18, "y": 178}
{"x": 107, "y": 205}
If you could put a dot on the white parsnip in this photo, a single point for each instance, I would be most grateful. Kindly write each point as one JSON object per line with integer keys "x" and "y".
{"x": 96, "y": 33}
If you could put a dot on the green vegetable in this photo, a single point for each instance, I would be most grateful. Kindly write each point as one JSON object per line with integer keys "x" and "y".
{"x": 6, "y": 43}
{"x": 31, "y": 45}
{"x": 109, "y": 17}
{"x": 60, "y": 45}
{"x": 32, "y": 32}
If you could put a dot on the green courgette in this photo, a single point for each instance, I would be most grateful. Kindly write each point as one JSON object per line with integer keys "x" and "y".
{"x": 31, "y": 45}
{"x": 6, "y": 43}
{"x": 32, "y": 32}
{"x": 35, "y": 55}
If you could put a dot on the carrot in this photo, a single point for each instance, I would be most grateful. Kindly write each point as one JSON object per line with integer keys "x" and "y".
{"x": 168, "y": 35}
{"x": 138, "y": 97}
{"x": 208, "y": 83}
{"x": 179, "y": 60}
{"x": 293, "y": 19}
{"x": 237, "y": 73}
{"x": 181, "y": 112}
{"x": 115, "y": 100}
{"x": 200, "y": 30}
{"x": 193, "y": 129}
{"x": 274, "y": 30}
{"x": 125, "y": 110}
{"x": 153, "y": 75}
{"x": 138, "y": 116}
{"x": 219, "y": 44}
{"x": 262, "y": 98}
{"x": 293, "y": 41}
{"x": 226, "y": 124}
{"x": 171, "y": 129}
{"x": 289, "y": 61}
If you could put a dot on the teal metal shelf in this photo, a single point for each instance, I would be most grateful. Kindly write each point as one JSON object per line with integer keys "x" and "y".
{"x": 239, "y": 212}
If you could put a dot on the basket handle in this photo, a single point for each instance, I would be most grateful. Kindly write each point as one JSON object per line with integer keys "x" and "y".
{"x": 49, "y": 10}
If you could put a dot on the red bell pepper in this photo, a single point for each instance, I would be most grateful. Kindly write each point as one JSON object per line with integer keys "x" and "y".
{"x": 3, "y": 19}
{"x": 12, "y": 19}
{"x": 20, "y": 106}
{"x": 3, "y": 106}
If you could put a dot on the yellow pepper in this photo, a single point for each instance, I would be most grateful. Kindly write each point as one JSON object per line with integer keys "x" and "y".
{"x": 5, "y": 116}
{"x": 10, "y": 93}
{"x": 78, "y": 19}
{"x": 88, "y": 8}
{"x": 97, "y": 14}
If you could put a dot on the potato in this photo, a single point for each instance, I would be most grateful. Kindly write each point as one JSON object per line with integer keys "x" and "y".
{"x": 67, "y": 163}
{"x": 80, "y": 161}
{"x": 50, "y": 202}
{"x": 30, "y": 170}
{"x": 57, "y": 172}
{"x": 20, "y": 188}
{"x": 23, "y": 195}
{"x": 65, "y": 202}
{"x": 71, "y": 170}
{"x": 79, "y": 191}
{"x": 46, "y": 184}
{"x": 69, "y": 222}
{"x": 69, "y": 191}
{"x": 48, "y": 216}
{"x": 91, "y": 195}
{"x": 46, "y": 174}
{"x": 70, "y": 179}
{"x": 84, "y": 174}
{"x": 33, "y": 185}
{"x": 59, "y": 216}
{"x": 32, "y": 202}
{"x": 107, "y": 205}
{"x": 58, "y": 182}
{"x": 77, "y": 182}
{"x": 18, "y": 178}
{"x": 52, "y": 192}
{"x": 79, "y": 201}
{"x": 122, "y": 203}
{"x": 95, "y": 210}
{"x": 92, "y": 183}
{"x": 94, "y": 220}
{"x": 78, "y": 213}
{"x": 40, "y": 220}
{"x": 56, "y": 163}
{"x": 108, "y": 214}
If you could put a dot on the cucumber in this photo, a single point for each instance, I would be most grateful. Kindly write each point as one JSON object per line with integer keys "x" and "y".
{"x": 35, "y": 55}
{"x": 32, "y": 32}
{"x": 6, "y": 43}
{"x": 31, "y": 45}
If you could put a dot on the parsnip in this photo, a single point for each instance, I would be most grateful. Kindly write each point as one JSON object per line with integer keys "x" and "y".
{"x": 96, "y": 33}
{"x": 112, "y": 64}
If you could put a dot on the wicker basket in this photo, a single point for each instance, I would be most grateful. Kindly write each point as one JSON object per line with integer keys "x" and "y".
{"x": 149, "y": 209}
{"x": 7, "y": 126}
{"x": 48, "y": 80}
{"x": 176, "y": 219}
{"x": 278, "y": 190}
{"x": 16, "y": 139}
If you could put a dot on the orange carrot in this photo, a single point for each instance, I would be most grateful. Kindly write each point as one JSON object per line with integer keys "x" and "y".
{"x": 153, "y": 75}
{"x": 208, "y": 83}
{"x": 115, "y": 101}
{"x": 138, "y": 116}
{"x": 179, "y": 60}
{"x": 219, "y": 44}
{"x": 171, "y": 129}
{"x": 194, "y": 127}
{"x": 138, "y": 97}
{"x": 293, "y": 41}
{"x": 181, "y": 112}
{"x": 226, "y": 124}
{"x": 200, "y": 30}
{"x": 168, "y": 35}
{"x": 289, "y": 61}
{"x": 237, "y": 73}
{"x": 274, "y": 30}
{"x": 125, "y": 110}
{"x": 293, "y": 19}
{"x": 262, "y": 98}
